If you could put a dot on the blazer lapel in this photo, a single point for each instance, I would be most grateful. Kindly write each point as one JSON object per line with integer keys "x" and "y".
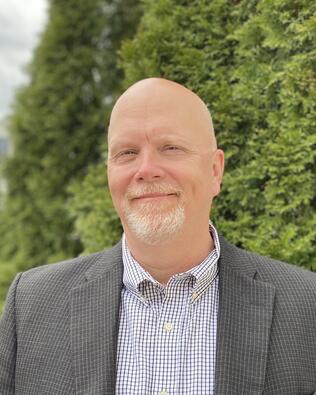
{"x": 244, "y": 321}
{"x": 94, "y": 325}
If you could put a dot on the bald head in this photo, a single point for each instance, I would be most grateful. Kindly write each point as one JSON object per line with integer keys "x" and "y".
{"x": 164, "y": 98}
{"x": 163, "y": 166}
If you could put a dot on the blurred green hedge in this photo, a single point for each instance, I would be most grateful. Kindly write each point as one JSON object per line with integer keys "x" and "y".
{"x": 252, "y": 61}
{"x": 254, "y": 64}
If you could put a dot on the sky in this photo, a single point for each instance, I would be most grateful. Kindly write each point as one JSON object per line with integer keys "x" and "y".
{"x": 21, "y": 22}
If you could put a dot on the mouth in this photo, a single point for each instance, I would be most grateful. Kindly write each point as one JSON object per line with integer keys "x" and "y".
{"x": 154, "y": 196}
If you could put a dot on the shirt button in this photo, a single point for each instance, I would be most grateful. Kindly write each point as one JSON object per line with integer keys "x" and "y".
{"x": 163, "y": 392}
{"x": 194, "y": 295}
{"x": 167, "y": 327}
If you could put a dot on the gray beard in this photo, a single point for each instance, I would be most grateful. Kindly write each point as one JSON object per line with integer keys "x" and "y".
{"x": 153, "y": 224}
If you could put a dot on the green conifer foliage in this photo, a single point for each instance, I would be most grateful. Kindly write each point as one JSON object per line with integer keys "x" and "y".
{"x": 271, "y": 195}
{"x": 253, "y": 63}
{"x": 96, "y": 221}
{"x": 57, "y": 126}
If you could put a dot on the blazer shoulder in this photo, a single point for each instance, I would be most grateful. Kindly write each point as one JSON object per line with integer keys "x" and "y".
{"x": 60, "y": 277}
{"x": 270, "y": 270}
{"x": 279, "y": 272}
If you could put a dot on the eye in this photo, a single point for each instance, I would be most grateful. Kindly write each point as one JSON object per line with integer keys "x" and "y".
{"x": 171, "y": 148}
{"x": 125, "y": 154}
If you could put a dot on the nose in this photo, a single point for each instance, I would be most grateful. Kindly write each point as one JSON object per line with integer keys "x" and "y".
{"x": 149, "y": 168}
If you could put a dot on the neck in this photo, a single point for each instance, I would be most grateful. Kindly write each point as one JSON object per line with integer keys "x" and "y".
{"x": 185, "y": 251}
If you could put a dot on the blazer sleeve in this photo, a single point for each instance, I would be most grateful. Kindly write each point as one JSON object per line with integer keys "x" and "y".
{"x": 8, "y": 342}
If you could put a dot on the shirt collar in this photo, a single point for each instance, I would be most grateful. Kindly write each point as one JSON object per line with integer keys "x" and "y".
{"x": 204, "y": 273}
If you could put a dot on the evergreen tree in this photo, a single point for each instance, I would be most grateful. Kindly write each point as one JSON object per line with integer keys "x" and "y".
{"x": 57, "y": 126}
{"x": 96, "y": 220}
{"x": 269, "y": 200}
{"x": 253, "y": 63}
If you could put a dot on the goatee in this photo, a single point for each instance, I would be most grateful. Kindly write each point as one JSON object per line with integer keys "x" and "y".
{"x": 155, "y": 222}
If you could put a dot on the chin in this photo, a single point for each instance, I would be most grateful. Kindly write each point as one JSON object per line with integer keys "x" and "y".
{"x": 155, "y": 228}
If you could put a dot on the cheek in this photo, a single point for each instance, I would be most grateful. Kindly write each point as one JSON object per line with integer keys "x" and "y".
{"x": 117, "y": 196}
{"x": 202, "y": 188}
{"x": 114, "y": 184}
{"x": 118, "y": 184}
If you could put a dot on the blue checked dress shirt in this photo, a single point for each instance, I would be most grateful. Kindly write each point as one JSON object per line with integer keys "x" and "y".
{"x": 167, "y": 334}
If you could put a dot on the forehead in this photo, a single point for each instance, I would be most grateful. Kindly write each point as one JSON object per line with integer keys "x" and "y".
{"x": 155, "y": 136}
{"x": 158, "y": 117}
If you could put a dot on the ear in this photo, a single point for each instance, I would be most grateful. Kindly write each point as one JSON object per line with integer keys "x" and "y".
{"x": 218, "y": 164}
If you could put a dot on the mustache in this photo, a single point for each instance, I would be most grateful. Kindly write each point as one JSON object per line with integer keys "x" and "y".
{"x": 137, "y": 191}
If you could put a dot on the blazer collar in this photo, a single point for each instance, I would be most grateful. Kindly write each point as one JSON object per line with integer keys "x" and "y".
{"x": 244, "y": 321}
{"x": 108, "y": 261}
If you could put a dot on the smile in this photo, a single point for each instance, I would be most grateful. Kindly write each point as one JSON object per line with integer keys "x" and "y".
{"x": 154, "y": 196}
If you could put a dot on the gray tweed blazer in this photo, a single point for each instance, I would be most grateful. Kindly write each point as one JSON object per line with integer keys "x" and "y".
{"x": 58, "y": 333}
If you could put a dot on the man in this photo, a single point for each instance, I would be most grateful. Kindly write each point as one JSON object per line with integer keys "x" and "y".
{"x": 173, "y": 308}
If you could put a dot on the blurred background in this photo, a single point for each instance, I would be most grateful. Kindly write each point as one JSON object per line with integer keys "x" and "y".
{"x": 63, "y": 64}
